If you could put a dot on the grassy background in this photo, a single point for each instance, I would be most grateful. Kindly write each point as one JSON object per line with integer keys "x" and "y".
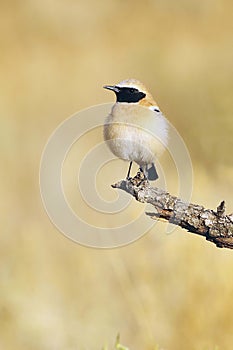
{"x": 172, "y": 290}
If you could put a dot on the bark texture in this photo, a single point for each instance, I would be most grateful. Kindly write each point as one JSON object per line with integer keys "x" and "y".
{"x": 214, "y": 225}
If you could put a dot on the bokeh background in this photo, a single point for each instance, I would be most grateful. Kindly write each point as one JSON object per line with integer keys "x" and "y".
{"x": 172, "y": 291}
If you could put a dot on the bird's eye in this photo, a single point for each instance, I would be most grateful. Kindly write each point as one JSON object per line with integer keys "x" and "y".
{"x": 131, "y": 90}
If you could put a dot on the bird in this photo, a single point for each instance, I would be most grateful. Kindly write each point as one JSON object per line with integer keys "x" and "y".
{"x": 136, "y": 130}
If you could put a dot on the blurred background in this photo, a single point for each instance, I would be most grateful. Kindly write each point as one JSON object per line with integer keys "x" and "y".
{"x": 172, "y": 291}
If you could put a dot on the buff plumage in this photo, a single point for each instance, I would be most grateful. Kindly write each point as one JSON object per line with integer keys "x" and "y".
{"x": 136, "y": 130}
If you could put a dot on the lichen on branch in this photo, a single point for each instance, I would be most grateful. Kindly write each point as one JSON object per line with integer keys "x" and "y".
{"x": 216, "y": 226}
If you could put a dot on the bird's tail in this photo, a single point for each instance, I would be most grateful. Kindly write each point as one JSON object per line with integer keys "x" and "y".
{"x": 151, "y": 172}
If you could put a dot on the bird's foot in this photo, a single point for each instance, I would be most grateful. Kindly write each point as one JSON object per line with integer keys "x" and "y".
{"x": 142, "y": 174}
{"x": 139, "y": 178}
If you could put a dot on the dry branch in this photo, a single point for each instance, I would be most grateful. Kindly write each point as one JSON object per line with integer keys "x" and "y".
{"x": 216, "y": 226}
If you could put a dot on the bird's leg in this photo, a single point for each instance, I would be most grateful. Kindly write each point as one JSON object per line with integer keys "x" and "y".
{"x": 143, "y": 169}
{"x": 130, "y": 166}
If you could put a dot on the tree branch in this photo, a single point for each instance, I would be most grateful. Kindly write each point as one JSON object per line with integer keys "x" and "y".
{"x": 216, "y": 226}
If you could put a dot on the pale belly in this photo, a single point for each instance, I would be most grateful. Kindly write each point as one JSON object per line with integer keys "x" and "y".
{"x": 132, "y": 143}
{"x": 136, "y": 134}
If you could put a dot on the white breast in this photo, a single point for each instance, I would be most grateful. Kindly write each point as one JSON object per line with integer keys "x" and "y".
{"x": 136, "y": 133}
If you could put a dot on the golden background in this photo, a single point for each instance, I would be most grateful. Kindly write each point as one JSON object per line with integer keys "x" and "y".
{"x": 174, "y": 291}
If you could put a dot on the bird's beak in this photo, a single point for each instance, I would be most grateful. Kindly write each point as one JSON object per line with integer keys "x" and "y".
{"x": 111, "y": 87}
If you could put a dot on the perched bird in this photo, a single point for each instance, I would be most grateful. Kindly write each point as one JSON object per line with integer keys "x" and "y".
{"x": 136, "y": 130}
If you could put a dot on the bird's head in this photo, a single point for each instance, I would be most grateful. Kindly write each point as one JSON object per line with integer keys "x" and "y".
{"x": 131, "y": 91}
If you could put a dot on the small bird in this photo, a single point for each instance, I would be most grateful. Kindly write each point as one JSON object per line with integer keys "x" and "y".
{"x": 136, "y": 130}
